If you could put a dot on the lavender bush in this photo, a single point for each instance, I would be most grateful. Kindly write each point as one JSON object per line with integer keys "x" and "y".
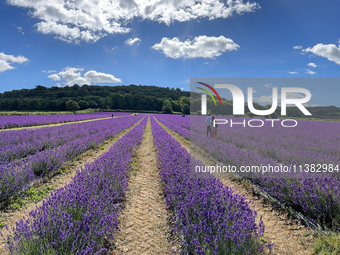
{"x": 76, "y": 218}
{"x": 16, "y": 144}
{"x": 16, "y": 177}
{"x": 317, "y": 195}
{"x": 210, "y": 217}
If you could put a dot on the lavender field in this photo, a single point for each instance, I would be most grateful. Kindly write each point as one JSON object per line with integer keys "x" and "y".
{"x": 36, "y": 120}
{"x": 313, "y": 147}
{"x": 207, "y": 216}
{"x": 28, "y": 155}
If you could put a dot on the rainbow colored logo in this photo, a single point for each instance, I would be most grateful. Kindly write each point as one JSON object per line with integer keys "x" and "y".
{"x": 208, "y": 92}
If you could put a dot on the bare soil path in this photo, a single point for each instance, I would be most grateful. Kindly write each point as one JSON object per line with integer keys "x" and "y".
{"x": 288, "y": 235}
{"x": 143, "y": 222}
{"x": 9, "y": 215}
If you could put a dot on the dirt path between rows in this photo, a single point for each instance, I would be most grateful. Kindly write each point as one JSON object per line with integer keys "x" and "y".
{"x": 288, "y": 235}
{"x": 10, "y": 216}
{"x": 143, "y": 222}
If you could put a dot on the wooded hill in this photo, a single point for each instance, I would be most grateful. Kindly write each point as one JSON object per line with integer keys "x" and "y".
{"x": 132, "y": 97}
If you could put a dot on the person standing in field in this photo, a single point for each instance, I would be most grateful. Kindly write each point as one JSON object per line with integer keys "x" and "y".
{"x": 208, "y": 121}
{"x": 213, "y": 127}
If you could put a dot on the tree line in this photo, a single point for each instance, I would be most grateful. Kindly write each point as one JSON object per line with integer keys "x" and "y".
{"x": 133, "y": 98}
{"x": 72, "y": 98}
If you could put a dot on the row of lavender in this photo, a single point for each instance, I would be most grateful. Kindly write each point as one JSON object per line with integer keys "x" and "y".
{"x": 36, "y": 120}
{"x": 210, "y": 217}
{"x": 77, "y": 218}
{"x": 17, "y": 176}
{"x": 16, "y": 144}
{"x": 223, "y": 152}
{"x": 316, "y": 195}
{"x": 308, "y": 142}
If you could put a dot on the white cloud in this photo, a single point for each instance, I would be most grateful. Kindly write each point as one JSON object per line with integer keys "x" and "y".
{"x": 54, "y": 77}
{"x": 58, "y": 85}
{"x": 311, "y": 105}
{"x": 89, "y": 20}
{"x": 291, "y": 95}
{"x": 131, "y": 41}
{"x": 267, "y": 85}
{"x": 72, "y": 75}
{"x": 298, "y": 47}
{"x": 265, "y": 99}
{"x": 310, "y": 72}
{"x": 6, "y": 59}
{"x": 20, "y": 30}
{"x": 200, "y": 47}
{"x": 292, "y": 72}
{"x": 97, "y": 77}
{"x": 312, "y": 65}
{"x": 49, "y": 71}
{"x": 329, "y": 51}
{"x": 66, "y": 33}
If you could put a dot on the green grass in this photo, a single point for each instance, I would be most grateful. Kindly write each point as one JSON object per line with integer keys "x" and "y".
{"x": 263, "y": 240}
{"x": 32, "y": 195}
{"x": 327, "y": 245}
{"x": 134, "y": 168}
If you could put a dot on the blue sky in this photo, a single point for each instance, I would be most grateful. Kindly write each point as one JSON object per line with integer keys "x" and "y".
{"x": 165, "y": 43}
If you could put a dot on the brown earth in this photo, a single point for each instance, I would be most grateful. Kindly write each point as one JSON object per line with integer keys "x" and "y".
{"x": 144, "y": 221}
{"x": 10, "y": 216}
{"x": 288, "y": 235}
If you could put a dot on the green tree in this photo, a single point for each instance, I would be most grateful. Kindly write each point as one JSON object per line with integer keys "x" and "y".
{"x": 274, "y": 115}
{"x": 184, "y": 100}
{"x": 72, "y": 106}
{"x": 116, "y": 100}
{"x": 33, "y": 104}
{"x": 250, "y": 114}
{"x": 128, "y": 99}
{"x": 93, "y": 104}
{"x": 185, "y": 109}
{"x": 167, "y": 106}
{"x": 83, "y": 104}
